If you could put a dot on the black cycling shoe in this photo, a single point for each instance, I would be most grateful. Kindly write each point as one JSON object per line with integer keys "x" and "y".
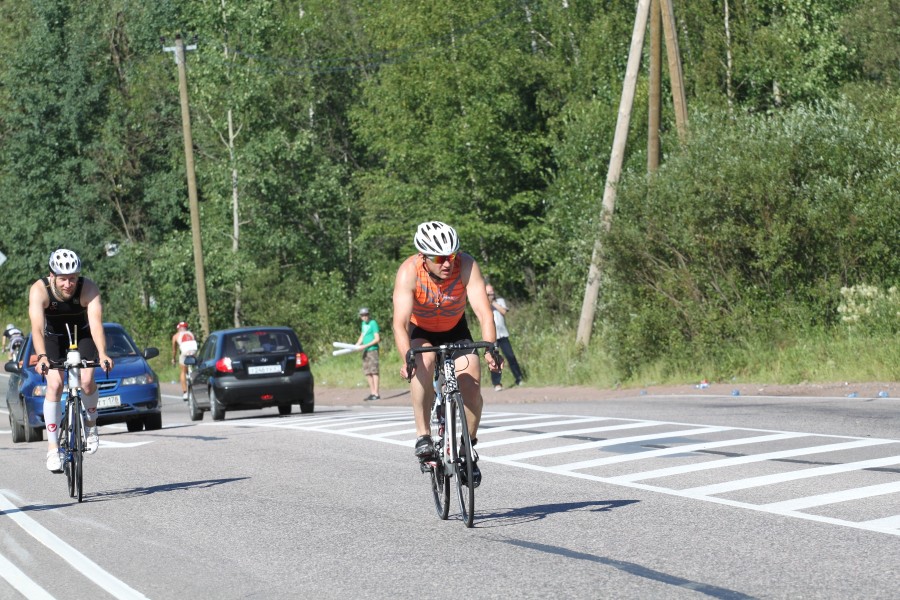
{"x": 424, "y": 448}
{"x": 476, "y": 472}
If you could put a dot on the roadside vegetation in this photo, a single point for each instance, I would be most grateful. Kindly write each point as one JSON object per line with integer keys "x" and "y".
{"x": 764, "y": 249}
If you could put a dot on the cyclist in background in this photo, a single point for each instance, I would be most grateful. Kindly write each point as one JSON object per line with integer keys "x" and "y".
{"x": 430, "y": 294}
{"x": 13, "y": 340}
{"x": 184, "y": 343}
{"x": 64, "y": 299}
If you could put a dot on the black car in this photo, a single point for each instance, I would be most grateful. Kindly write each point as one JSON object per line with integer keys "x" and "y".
{"x": 249, "y": 368}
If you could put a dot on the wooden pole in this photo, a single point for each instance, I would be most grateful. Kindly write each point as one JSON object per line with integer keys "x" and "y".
{"x": 192, "y": 187}
{"x": 592, "y": 289}
{"x": 675, "y": 73}
{"x": 655, "y": 92}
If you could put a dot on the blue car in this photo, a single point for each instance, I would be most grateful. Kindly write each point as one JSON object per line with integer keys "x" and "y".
{"x": 129, "y": 394}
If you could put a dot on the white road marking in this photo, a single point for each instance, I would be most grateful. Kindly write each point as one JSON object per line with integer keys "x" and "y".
{"x": 686, "y": 449}
{"x": 79, "y": 561}
{"x": 790, "y": 508}
{"x": 835, "y": 497}
{"x": 750, "y": 482}
{"x": 662, "y": 435}
{"x": 744, "y": 460}
{"x": 21, "y": 582}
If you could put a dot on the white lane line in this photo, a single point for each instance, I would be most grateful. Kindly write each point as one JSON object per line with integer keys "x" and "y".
{"x": 686, "y": 449}
{"x": 887, "y": 522}
{"x": 21, "y": 582}
{"x": 79, "y": 561}
{"x": 743, "y": 460}
{"x": 750, "y": 482}
{"x": 490, "y": 418}
{"x": 611, "y": 442}
{"x": 482, "y": 430}
{"x": 553, "y": 434}
{"x": 834, "y": 497}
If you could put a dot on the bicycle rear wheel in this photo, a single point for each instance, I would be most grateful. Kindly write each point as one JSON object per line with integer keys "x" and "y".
{"x": 440, "y": 479}
{"x": 465, "y": 490}
{"x": 77, "y": 451}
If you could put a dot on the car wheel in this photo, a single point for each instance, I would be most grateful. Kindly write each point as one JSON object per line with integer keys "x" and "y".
{"x": 218, "y": 410}
{"x": 307, "y": 406}
{"x": 134, "y": 425}
{"x": 193, "y": 409}
{"x": 284, "y": 409}
{"x": 34, "y": 434}
{"x": 153, "y": 421}
{"x": 18, "y": 431}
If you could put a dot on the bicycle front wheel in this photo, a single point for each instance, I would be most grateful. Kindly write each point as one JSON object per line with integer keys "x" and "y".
{"x": 465, "y": 489}
{"x": 77, "y": 451}
{"x": 65, "y": 447}
{"x": 440, "y": 479}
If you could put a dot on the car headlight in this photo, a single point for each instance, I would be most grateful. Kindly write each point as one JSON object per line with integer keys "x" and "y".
{"x": 139, "y": 380}
{"x": 39, "y": 390}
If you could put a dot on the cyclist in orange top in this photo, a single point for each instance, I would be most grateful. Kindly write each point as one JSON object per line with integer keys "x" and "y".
{"x": 430, "y": 294}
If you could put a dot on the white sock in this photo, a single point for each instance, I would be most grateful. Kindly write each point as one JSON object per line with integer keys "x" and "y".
{"x": 90, "y": 405}
{"x": 52, "y": 417}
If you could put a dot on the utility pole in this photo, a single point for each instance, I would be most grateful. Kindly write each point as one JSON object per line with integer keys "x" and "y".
{"x": 179, "y": 49}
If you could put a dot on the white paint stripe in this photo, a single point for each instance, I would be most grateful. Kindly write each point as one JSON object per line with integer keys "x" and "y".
{"x": 566, "y": 421}
{"x": 749, "y": 482}
{"x": 714, "y": 499}
{"x": 887, "y": 522}
{"x": 835, "y": 497}
{"x": 554, "y": 434}
{"x": 743, "y": 460}
{"x": 21, "y": 582}
{"x": 485, "y": 419}
{"x": 689, "y": 448}
{"x": 611, "y": 442}
{"x": 79, "y": 561}
{"x": 385, "y": 423}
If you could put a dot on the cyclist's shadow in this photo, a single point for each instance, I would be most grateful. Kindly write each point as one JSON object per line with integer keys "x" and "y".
{"x": 505, "y": 517}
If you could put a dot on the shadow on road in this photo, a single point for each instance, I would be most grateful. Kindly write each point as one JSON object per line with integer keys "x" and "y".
{"x": 514, "y": 516}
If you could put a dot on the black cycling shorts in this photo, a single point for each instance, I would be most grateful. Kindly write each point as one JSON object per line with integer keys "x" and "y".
{"x": 459, "y": 333}
{"x": 58, "y": 344}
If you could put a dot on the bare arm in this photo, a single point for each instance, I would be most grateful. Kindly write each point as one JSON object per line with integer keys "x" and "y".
{"x": 38, "y": 300}
{"x": 90, "y": 297}
{"x": 404, "y": 287}
{"x": 482, "y": 308}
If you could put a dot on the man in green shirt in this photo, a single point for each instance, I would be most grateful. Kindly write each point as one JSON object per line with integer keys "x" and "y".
{"x": 368, "y": 345}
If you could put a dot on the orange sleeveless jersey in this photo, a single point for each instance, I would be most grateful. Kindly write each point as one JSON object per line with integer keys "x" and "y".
{"x": 438, "y": 305}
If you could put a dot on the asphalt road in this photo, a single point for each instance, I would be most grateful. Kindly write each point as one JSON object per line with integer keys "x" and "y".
{"x": 641, "y": 497}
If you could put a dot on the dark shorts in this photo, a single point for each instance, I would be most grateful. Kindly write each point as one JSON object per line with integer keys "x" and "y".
{"x": 459, "y": 333}
{"x": 57, "y": 345}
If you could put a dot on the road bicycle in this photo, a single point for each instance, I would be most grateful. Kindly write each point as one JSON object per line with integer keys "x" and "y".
{"x": 72, "y": 431}
{"x": 450, "y": 432}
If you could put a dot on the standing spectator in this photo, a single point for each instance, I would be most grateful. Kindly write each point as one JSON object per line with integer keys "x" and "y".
{"x": 368, "y": 345}
{"x": 184, "y": 343}
{"x": 498, "y": 305}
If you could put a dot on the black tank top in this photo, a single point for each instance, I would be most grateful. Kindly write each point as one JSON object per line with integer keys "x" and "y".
{"x": 60, "y": 313}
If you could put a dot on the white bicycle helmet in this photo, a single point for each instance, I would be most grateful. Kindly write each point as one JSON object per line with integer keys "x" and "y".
{"x": 64, "y": 262}
{"x": 436, "y": 238}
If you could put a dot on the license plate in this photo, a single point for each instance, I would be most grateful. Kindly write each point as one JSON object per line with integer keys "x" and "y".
{"x": 109, "y": 402}
{"x": 259, "y": 370}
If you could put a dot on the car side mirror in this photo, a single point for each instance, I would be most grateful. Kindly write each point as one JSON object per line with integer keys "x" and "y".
{"x": 12, "y": 367}
{"x": 151, "y": 352}
{"x": 190, "y": 360}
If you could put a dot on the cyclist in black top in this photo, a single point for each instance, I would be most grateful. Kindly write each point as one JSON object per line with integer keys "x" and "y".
{"x": 66, "y": 299}
{"x": 13, "y": 340}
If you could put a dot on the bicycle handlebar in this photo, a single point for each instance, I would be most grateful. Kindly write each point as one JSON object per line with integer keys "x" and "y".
{"x": 62, "y": 365}
{"x": 411, "y": 355}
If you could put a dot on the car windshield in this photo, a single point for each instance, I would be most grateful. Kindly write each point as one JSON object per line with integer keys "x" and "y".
{"x": 118, "y": 345}
{"x": 258, "y": 342}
